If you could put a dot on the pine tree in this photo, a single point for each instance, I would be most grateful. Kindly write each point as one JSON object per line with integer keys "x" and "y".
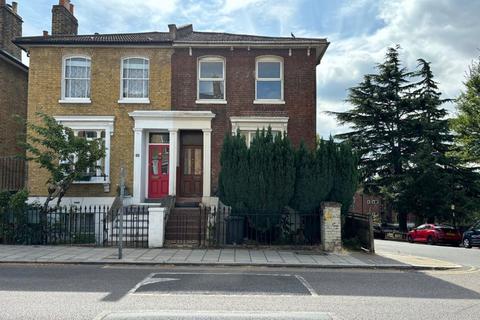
{"x": 381, "y": 123}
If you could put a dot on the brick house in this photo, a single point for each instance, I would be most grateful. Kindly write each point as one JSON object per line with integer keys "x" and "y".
{"x": 13, "y": 98}
{"x": 163, "y": 101}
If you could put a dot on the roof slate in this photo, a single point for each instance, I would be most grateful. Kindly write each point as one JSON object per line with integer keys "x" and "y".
{"x": 155, "y": 38}
{"x": 117, "y": 38}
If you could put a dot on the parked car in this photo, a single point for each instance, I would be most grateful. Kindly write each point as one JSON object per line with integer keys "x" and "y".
{"x": 471, "y": 237}
{"x": 432, "y": 234}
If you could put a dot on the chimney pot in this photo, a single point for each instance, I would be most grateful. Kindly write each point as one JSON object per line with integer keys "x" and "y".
{"x": 45, "y": 33}
{"x": 14, "y": 6}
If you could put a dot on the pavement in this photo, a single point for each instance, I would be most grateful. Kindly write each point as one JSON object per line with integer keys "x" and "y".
{"x": 219, "y": 257}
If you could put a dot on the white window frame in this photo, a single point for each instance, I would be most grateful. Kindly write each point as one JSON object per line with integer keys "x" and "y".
{"x": 281, "y": 79}
{"x": 251, "y": 124}
{"x": 134, "y": 100}
{"x": 212, "y": 59}
{"x": 64, "y": 98}
{"x": 93, "y": 123}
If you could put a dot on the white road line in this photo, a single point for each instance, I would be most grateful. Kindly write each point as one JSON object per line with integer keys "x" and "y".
{"x": 193, "y": 314}
{"x": 307, "y": 285}
{"x": 230, "y": 273}
{"x": 141, "y": 283}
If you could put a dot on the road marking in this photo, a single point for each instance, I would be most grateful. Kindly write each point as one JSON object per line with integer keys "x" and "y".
{"x": 183, "y": 314}
{"x": 307, "y": 285}
{"x": 152, "y": 279}
{"x": 141, "y": 283}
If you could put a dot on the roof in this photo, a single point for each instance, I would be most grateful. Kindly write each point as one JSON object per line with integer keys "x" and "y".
{"x": 4, "y": 55}
{"x": 144, "y": 38}
{"x": 177, "y": 37}
{"x": 196, "y": 36}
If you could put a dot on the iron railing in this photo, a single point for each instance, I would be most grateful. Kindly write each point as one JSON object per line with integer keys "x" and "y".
{"x": 92, "y": 226}
{"x": 262, "y": 227}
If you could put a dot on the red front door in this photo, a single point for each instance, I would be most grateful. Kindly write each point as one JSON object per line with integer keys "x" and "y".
{"x": 158, "y": 171}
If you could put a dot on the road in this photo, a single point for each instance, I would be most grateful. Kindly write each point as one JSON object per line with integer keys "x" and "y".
{"x": 131, "y": 292}
{"x": 458, "y": 255}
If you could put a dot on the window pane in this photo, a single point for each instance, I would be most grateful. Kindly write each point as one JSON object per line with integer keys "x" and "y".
{"x": 211, "y": 90}
{"x": 159, "y": 138}
{"x": 187, "y": 161}
{"x": 77, "y": 68}
{"x": 198, "y": 162}
{"x": 145, "y": 89}
{"x": 269, "y": 70}
{"x": 211, "y": 69}
{"x": 269, "y": 90}
{"x": 77, "y": 89}
{"x": 135, "y": 88}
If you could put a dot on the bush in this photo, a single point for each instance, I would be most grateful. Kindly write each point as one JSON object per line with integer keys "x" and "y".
{"x": 271, "y": 175}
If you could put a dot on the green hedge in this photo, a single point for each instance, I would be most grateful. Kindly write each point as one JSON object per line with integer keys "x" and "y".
{"x": 271, "y": 174}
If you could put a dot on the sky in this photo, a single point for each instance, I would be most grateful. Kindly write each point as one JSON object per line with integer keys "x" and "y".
{"x": 443, "y": 32}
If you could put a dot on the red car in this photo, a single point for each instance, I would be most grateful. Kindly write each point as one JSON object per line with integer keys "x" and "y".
{"x": 432, "y": 234}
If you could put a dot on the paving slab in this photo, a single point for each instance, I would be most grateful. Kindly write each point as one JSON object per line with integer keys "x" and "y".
{"x": 227, "y": 256}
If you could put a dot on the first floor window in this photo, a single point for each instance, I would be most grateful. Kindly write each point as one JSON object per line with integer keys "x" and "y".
{"x": 76, "y": 78}
{"x": 269, "y": 79}
{"x": 211, "y": 79}
{"x": 135, "y": 78}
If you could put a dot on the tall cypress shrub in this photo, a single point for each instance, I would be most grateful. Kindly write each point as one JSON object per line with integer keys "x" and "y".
{"x": 345, "y": 177}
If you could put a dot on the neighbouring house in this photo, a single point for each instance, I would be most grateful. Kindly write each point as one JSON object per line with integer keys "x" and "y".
{"x": 13, "y": 98}
{"x": 163, "y": 101}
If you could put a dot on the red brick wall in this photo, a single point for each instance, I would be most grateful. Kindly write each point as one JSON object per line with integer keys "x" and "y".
{"x": 299, "y": 93}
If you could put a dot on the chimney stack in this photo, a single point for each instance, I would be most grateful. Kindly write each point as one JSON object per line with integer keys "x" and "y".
{"x": 10, "y": 28}
{"x": 63, "y": 20}
{"x": 182, "y": 31}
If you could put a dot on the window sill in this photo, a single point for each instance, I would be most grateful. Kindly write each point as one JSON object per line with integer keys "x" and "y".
{"x": 93, "y": 181}
{"x": 69, "y": 101}
{"x": 268, "y": 102}
{"x": 211, "y": 101}
{"x": 134, "y": 101}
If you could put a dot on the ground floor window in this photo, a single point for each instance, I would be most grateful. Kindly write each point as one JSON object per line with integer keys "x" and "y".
{"x": 248, "y": 126}
{"x": 91, "y": 128}
{"x": 95, "y": 173}
{"x": 250, "y": 135}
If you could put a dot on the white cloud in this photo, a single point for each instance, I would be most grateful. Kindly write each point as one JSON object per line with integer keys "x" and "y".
{"x": 443, "y": 32}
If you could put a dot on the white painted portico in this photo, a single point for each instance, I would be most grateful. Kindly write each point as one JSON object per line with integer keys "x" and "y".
{"x": 172, "y": 122}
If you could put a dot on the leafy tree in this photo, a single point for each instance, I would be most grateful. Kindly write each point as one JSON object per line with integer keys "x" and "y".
{"x": 467, "y": 123}
{"x": 381, "y": 121}
{"x": 65, "y": 156}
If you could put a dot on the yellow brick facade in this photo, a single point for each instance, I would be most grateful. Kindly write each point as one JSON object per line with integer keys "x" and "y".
{"x": 44, "y": 93}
